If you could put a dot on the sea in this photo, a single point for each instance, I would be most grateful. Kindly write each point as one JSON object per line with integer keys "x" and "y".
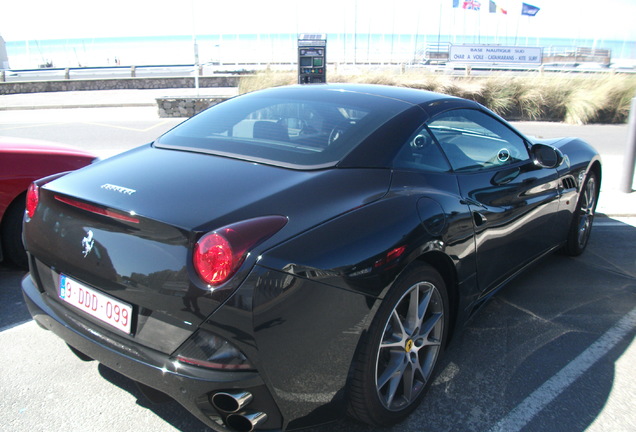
{"x": 281, "y": 48}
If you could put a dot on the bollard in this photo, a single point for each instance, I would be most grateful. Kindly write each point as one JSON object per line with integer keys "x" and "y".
{"x": 630, "y": 152}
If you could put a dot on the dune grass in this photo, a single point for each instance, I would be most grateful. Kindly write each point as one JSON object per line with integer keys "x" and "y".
{"x": 564, "y": 97}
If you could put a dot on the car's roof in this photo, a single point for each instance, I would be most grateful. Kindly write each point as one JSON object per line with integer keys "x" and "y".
{"x": 408, "y": 95}
{"x": 373, "y": 119}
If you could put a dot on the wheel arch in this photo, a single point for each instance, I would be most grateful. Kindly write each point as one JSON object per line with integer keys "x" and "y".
{"x": 444, "y": 265}
{"x": 359, "y": 405}
{"x": 596, "y": 169}
{"x": 3, "y": 221}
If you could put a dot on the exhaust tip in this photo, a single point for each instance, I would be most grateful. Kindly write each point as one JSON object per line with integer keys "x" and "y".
{"x": 245, "y": 421}
{"x": 231, "y": 402}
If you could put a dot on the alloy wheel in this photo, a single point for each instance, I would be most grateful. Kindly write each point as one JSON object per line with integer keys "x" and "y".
{"x": 586, "y": 210}
{"x": 410, "y": 344}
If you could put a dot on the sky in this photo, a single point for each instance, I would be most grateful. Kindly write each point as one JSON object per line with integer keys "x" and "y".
{"x": 69, "y": 19}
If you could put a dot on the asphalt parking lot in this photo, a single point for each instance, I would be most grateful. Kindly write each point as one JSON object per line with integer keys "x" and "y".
{"x": 552, "y": 351}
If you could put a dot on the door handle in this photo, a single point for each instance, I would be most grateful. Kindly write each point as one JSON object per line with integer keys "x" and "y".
{"x": 479, "y": 218}
{"x": 471, "y": 202}
{"x": 505, "y": 177}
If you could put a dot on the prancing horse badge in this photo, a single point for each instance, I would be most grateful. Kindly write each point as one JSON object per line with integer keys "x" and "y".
{"x": 88, "y": 243}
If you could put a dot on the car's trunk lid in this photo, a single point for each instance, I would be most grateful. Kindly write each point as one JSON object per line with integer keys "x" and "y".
{"x": 142, "y": 213}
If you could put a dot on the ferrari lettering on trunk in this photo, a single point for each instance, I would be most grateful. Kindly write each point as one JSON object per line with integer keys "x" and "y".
{"x": 120, "y": 189}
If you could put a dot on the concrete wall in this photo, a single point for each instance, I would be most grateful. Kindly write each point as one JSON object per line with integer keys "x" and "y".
{"x": 117, "y": 84}
{"x": 186, "y": 106}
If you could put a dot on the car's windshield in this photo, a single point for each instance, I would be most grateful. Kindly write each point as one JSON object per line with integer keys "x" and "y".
{"x": 289, "y": 131}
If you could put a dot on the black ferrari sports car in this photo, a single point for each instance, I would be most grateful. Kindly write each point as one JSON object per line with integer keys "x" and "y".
{"x": 295, "y": 254}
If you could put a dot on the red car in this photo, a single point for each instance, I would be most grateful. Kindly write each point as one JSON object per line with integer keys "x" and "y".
{"x": 21, "y": 162}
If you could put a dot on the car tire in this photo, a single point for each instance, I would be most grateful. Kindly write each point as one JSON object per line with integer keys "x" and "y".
{"x": 583, "y": 218}
{"x": 396, "y": 359}
{"x": 12, "y": 247}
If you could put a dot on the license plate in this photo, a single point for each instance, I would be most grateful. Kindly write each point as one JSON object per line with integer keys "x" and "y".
{"x": 103, "y": 307}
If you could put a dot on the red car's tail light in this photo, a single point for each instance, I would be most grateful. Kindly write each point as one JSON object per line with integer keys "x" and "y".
{"x": 217, "y": 255}
{"x": 32, "y": 199}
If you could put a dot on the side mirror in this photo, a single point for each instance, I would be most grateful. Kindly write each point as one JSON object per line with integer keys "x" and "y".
{"x": 546, "y": 156}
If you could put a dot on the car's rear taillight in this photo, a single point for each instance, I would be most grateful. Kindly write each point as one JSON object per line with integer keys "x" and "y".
{"x": 33, "y": 192}
{"x": 218, "y": 254}
{"x": 32, "y": 199}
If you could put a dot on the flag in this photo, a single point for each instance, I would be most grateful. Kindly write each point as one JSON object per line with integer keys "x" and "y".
{"x": 471, "y": 5}
{"x": 529, "y": 10}
{"x": 455, "y": 3}
{"x": 493, "y": 8}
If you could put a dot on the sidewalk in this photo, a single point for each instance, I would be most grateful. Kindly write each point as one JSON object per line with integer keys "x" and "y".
{"x": 102, "y": 98}
{"x": 612, "y": 202}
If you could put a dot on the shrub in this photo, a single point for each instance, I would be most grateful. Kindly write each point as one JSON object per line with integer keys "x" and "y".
{"x": 568, "y": 97}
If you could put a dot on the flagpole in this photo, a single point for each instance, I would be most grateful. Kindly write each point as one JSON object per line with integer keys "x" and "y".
{"x": 479, "y": 26}
{"x": 464, "y": 28}
{"x": 439, "y": 24}
{"x": 454, "y": 25}
{"x": 196, "y": 50}
{"x": 475, "y": 33}
{"x": 517, "y": 29}
{"x": 355, "y": 32}
{"x": 497, "y": 20}
{"x": 392, "y": 35}
{"x": 417, "y": 32}
{"x": 369, "y": 41}
{"x": 344, "y": 35}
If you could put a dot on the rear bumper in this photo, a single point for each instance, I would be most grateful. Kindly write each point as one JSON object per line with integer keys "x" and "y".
{"x": 192, "y": 387}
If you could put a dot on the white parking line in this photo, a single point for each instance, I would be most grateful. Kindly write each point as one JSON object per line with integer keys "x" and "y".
{"x": 615, "y": 222}
{"x": 523, "y": 413}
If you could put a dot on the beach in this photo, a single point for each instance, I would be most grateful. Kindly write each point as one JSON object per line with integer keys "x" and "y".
{"x": 358, "y": 48}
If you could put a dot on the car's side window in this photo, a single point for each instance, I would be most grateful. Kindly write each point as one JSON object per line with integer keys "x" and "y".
{"x": 473, "y": 140}
{"x": 422, "y": 153}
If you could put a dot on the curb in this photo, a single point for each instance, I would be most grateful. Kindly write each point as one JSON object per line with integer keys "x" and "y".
{"x": 104, "y": 105}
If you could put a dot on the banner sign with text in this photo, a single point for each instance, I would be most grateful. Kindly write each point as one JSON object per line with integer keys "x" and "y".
{"x": 495, "y": 54}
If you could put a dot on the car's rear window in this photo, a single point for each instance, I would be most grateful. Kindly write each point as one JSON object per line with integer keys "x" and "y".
{"x": 294, "y": 131}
